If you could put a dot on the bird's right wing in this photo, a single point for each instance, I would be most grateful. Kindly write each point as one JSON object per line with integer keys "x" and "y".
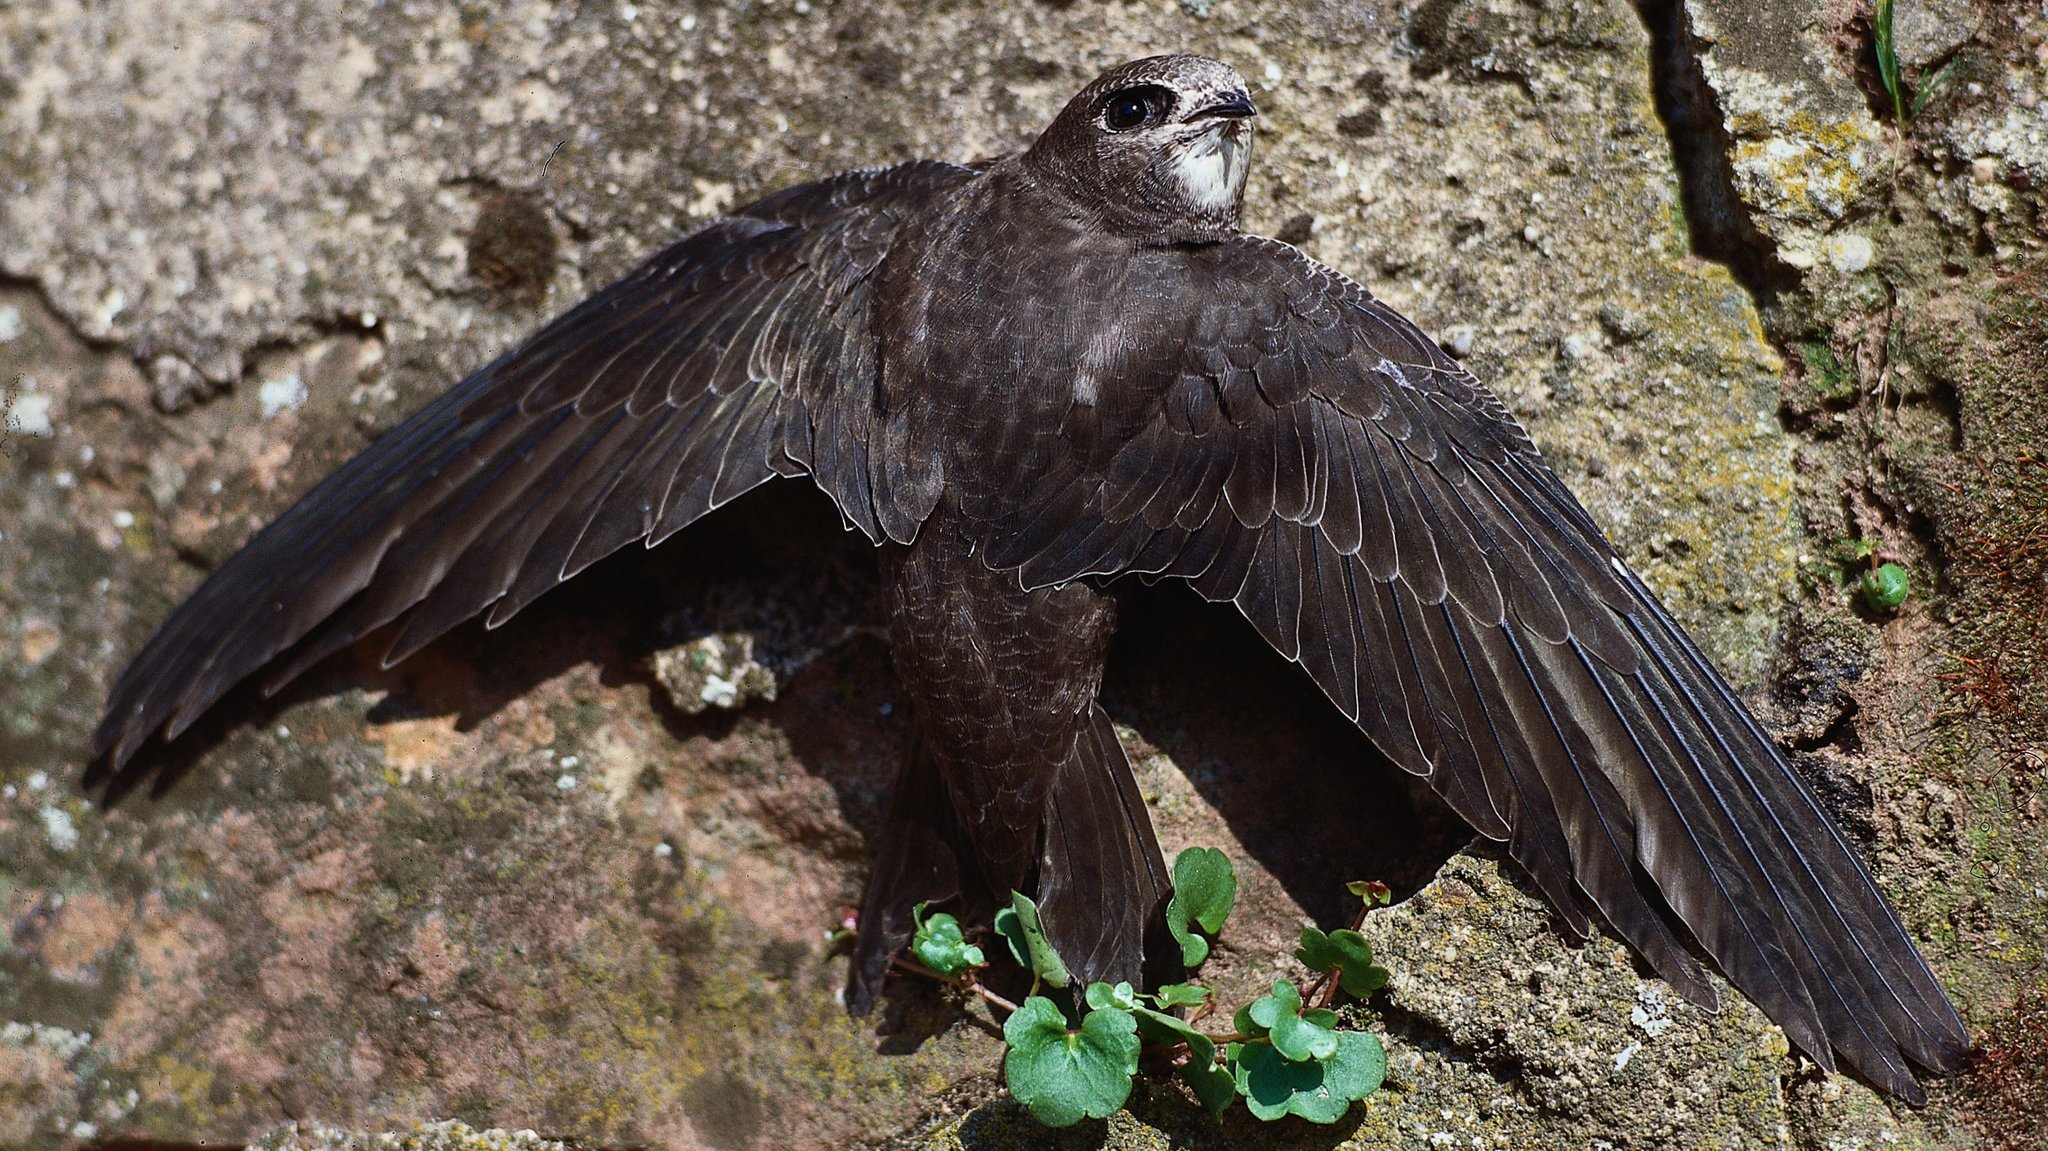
{"x": 740, "y": 353}
{"x": 1293, "y": 446}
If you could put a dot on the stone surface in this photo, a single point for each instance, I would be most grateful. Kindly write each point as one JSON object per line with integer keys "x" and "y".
{"x": 512, "y": 882}
{"x": 1507, "y": 1036}
{"x": 449, "y": 1136}
{"x": 1804, "y": 155}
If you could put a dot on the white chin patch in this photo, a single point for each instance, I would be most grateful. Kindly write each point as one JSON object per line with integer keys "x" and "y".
{"x": 1212, "y": 167}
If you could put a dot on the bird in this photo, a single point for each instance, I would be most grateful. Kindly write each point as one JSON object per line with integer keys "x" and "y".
{"x": 1024, "y": 379}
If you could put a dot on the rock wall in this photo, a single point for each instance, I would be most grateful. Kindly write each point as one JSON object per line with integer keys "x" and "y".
{"x": 1751, "y": 312}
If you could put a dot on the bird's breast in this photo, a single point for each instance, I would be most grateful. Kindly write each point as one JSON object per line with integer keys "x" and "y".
{"x": 1020, "y": 345}
{"x": 1032, "y": 317}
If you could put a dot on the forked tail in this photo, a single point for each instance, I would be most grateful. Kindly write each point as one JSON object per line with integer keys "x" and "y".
{"x": 1101, "y": 883}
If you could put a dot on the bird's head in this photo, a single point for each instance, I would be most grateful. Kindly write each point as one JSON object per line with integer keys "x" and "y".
{"x": 1156, "y": 149}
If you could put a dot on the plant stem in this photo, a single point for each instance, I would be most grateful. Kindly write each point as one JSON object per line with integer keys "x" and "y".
{"x": 964, "y": 981}
{"x": 1327, "y": 987}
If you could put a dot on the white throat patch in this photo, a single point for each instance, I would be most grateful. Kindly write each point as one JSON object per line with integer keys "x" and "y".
{"x": 1213, "y": 166}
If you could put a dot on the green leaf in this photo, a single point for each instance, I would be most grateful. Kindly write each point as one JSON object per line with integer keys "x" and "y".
{"x": 1372, "y": 891}
{"x": 1320, "y": 1090}
{"x": 1164, "y": 1028}
{"x": 1180, "y": 995}
{"x": 1929, "y": 86}
{"x": 940, "y": 945}
{"x": 1204, "y": 888}
{"x": 1829, "y": 378}
{"x": 1348, "y": 954}
{"x": 1018, "y": 924}
{"x": 1885, "y": 588}
{"x": 1359, "y": 1066}
{"x": 1267, "y": 1010}
{"x": 1273, "y": 1086}
{"x": 1011, "y": 929}
{"x": 1064, "y": 1076}
{"x": 1205, "y": 884}
{"x": 1214, "y": 1084}
{"x": 1302, "y": 1039}
{"x": 1105, "y": 997}
{"x": 1888, "y": 57}
{"x": 1294, "y": 1037}
{"x": 1245, "y": 1025}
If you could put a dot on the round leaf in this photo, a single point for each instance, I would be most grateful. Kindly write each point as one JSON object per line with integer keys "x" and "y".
{"x": 1268, "y": 1010}
{"x": 1065, "y": 1076}
{"x": 1358, "y": 1066}
{"x": 1347, "y": 953}
{"x": 1273, "y": 1086}
{"x": 940, "y": 945}
{"x": 1319, "y": 1091}
{"x": 1204, "y": 889}
{"x": 1205, "y": 884}
{"x": 1303, "y": 1041}
{"x": 1885, "y": 588}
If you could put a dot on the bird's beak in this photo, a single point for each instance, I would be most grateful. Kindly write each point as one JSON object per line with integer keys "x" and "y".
{"x": 1234, "y": 107}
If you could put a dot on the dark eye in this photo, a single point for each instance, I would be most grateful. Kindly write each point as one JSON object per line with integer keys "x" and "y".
{"x": 1135, "y": 108}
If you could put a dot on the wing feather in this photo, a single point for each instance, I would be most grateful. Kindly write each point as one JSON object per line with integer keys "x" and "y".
{"x": 738, "y": 354}
{"x": 1384, "y": 522}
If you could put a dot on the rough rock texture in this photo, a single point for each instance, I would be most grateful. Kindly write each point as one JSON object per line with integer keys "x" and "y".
{"x": 520, "y": 881}
{"x": 452, "y": 1135}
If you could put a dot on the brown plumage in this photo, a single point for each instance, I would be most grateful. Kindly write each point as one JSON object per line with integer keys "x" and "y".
{"x": 1026, "y": 379}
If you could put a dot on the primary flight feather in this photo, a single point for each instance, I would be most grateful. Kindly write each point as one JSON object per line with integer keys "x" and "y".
{"x": 1022, "y": 380}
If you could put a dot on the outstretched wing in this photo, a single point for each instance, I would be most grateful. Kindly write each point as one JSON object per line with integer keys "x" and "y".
{"x": 741, "y": 353}
{"x": 1381, "y": 519}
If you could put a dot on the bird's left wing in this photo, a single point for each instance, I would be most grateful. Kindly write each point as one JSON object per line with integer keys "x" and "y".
{"x": 740, "y": 353}
{"x": 1302, "y": 451}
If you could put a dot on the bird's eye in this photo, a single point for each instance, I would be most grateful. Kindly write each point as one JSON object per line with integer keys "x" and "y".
{"x": 1131, "y": 108}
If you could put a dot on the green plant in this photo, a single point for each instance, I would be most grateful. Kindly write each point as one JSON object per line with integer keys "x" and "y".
{"x": 1285, "y": 1054}
{"x": 1873, "y": 568}
{"x": 1888, "y": 72}
{"x": 1884, "y": 587}
{"x": 1826, "y": 374}
{"x": 941, "y": 946}
{"x": 1866, "y": 568}
{"x": 1204, "y": 888}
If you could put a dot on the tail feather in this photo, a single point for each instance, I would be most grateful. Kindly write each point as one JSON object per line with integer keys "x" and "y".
{"x": 1101, "y": 887}
{"x": 1102, "y": 882}
{"x": 917, "y": 861}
